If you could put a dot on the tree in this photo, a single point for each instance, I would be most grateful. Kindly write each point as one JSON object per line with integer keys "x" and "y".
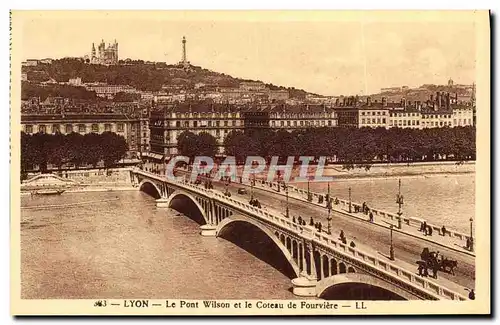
{"x": 240, "y": 146}
{"x": 206, "y": 144}
{"x": 187, "y": 144}
{"x": 113, "y": 148}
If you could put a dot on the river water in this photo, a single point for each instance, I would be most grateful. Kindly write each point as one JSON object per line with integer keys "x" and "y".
{"x": 119, "y": 244}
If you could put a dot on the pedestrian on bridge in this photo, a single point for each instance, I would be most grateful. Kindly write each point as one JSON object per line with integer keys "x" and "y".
{"x": 443, "y": 230}
{"x": 300, "y": 220}
{"x": 293, "y": 219}
{"x": 311, "y": 222}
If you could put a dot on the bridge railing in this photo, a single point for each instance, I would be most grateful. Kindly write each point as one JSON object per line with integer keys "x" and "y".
{"x": 358, "y": 257}
{"x": 411, "y": 221}
{"x": 387, "y": 268}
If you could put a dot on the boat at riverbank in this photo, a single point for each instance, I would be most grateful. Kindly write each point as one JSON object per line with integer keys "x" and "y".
{"x": 48, "y": 192}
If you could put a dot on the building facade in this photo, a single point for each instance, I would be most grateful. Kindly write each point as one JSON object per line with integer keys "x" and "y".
{"x": 129, "y": 128}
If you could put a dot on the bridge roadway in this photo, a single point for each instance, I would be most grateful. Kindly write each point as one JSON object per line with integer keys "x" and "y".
{"x": 302, "y": 245}
{"x": 407, "y": 248}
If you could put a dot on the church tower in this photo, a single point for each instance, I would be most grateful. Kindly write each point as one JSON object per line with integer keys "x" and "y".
{"x": 93, "y": 56}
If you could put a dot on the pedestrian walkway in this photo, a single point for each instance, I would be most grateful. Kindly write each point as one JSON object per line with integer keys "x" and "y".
{"x": 449, "y": 242}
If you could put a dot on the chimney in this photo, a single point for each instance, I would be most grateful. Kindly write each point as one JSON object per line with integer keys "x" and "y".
{"x": 344, "y": 101}
{"x": 403, "y": 102}
{"x": 337, "y": 102}
{"x": 456, "y": 98}
{"x": 447, "y": 100}
{"x": 369, "y": 101}
{"x": 432, "y": 98}
{"x": 384, "y": 101}
{"x": 440, "y": 99}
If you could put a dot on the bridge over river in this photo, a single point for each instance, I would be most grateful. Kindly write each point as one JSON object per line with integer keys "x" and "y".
{"x": 320, "y": 262}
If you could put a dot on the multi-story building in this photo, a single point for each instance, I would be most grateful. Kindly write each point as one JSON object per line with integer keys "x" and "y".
{"x": 168, "y": 122}
{"x": 439, "y": 111}
{"x": 129, "y": 128}
{"x": 302, "y": 116}
{"x": 108, "y": 91}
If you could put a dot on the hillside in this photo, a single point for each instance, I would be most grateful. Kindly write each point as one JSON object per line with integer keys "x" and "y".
{"x": 147, "y": 76}
{"x": 422, "y": 93}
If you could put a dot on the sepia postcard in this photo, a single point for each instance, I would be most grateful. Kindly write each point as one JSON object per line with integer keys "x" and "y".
{"x": 250, "y": 163}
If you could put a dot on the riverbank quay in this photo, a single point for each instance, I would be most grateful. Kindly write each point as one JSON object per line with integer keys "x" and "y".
{"x": 79, "y": 181}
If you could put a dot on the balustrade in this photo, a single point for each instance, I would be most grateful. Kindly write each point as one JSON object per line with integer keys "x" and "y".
{"x": 350, "y": 255}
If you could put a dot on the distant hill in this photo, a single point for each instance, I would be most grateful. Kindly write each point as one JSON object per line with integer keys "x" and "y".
{"x": 422, "y": 93}
{"x": 147, "y": 76}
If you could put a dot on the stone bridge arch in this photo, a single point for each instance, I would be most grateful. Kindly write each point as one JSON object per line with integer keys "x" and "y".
{"x": 181, "y": 193}
{"x": 369, "y": 282}
{"x": 269, "y": 233}
{"x": 146, "y": 182}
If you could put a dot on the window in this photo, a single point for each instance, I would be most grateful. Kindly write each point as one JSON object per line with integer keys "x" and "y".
{"x": 55, "y": 128}
{"x": 301, "y": 123}
{"x": 120, "y": 127}
{"x": 273, "y": 123}
{"x": 186, "y": 124}
{"x": 107, "y": 127}
{"x": 329, "y": 123}
{"x": 144, "y": 135}
{"x": 95, "y": 128}
{"x": 29, "y": 128}
{"x": 404, "y": 122}
{"x": 378, "y": 120}
{"x": 373, "y": 120}
{"x": 282, "y": 123}
{"x": 234, "y": 123}
{"x": 209, "y": 123}
{"x": 226, "y": 123}
{"x": 195, "y": 124}
{"x": 294, "y": 123}
{"x": 362, "y": 113}
{"x": 217, "y": 123}
{"x": 383, "y": 120}
{"x": 322, "y": 123}
{"x": 178, "y": 124}
{"x": 42, "y": 128}
{"x": 367, "y": 121}
{"x": 470, "y": 122}
{"x": 69, "y": 128}
{"x": 81, "y": 128}
{"x": 465, "y": 121}
{"x": 418, "y": 122}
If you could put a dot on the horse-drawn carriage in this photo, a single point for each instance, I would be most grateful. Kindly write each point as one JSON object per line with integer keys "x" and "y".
{"x": 435, "y": 262}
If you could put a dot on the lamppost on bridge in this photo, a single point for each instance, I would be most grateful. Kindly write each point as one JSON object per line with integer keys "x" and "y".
{"x": 279, "y": 177}
{"x": 399, "y": 201}
{"x": 251, "y": 187}
{"x": 471, "y": 242}
{"x": 329, "y": 207}
{"x": 350, "y": 210}
{"x": 309, "y": 196}
{"x": 391, "y": 249}
{"x": 287, "y": 212}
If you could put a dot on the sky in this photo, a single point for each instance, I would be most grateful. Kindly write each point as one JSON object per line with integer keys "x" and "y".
{"x": 328, "y": 54}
